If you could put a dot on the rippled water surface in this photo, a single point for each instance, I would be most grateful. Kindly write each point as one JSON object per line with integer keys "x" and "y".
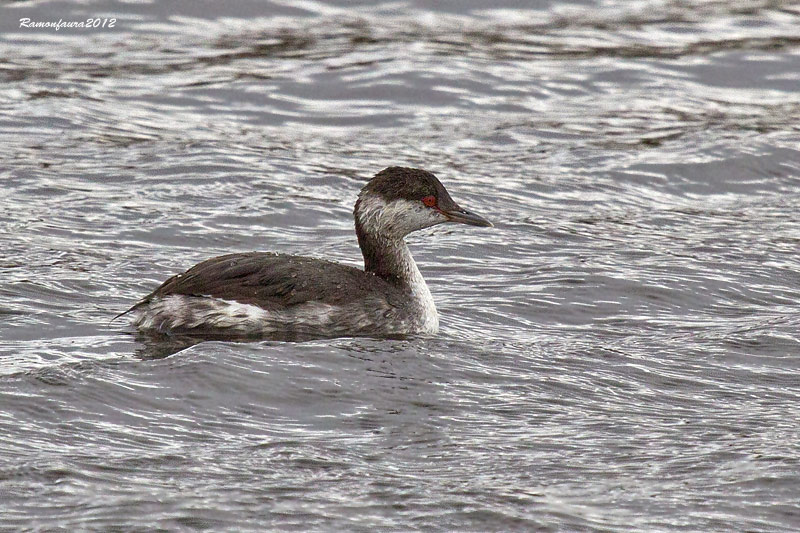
{"x": 621, "y": 352}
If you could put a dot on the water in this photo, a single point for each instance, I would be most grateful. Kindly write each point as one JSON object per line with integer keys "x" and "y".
{"x": 620, "y": 353}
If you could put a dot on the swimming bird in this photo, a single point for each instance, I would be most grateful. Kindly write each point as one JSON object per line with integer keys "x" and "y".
{"x": 272, "y": 295}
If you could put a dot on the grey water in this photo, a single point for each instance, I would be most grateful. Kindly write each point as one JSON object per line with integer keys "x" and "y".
{"x": 620, "y": 353}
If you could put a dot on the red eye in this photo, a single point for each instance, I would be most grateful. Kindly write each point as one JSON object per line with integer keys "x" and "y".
{"x": 430, "y": 201}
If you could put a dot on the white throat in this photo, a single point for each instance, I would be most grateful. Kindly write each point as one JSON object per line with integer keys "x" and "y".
{"x": 419, "y": 290}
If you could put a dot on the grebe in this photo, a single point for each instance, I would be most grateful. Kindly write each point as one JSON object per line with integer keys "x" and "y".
{"x": 261, "y": 294}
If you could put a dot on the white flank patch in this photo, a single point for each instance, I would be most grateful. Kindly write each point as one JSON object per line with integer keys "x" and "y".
{"x": 178, "y": 312}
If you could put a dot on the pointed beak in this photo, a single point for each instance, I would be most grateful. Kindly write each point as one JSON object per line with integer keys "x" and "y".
{"x": 463, "y": 216}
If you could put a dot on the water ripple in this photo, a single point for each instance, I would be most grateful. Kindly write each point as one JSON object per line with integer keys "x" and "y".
{"x": 618, "y": 352}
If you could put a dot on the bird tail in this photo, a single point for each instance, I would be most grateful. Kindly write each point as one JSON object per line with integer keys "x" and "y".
{"x": 121, "y": 314}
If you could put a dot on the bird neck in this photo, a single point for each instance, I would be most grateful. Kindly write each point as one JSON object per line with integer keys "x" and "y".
{"x": 388, "y": 258}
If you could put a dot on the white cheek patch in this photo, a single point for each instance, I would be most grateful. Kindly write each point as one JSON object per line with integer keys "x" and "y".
{"x": 369, "y": 211}
{"x": 397, "y": 218}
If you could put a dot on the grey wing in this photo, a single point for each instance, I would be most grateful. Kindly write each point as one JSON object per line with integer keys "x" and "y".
{"x": 273, "y": 280}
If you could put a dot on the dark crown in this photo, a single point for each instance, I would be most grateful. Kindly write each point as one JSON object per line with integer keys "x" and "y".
{"x": 395, "y": 183}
